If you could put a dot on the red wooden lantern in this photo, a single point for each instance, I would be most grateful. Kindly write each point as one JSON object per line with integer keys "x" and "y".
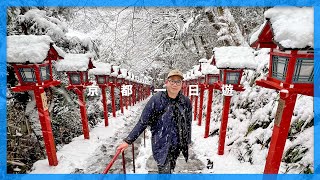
{"x": 231, "y": 61}
{"x": 133, "y": 89}
{"x": 197, "y": 74}
{"x": 188, "y": 83}
{"x": 290, "y": 69}
{"x": 113, "y": 83}
{"x": 121, "y": 76}
{"x": 32, "y": 56}
{"x": 184, "y": 85}
{"x": 76, "y": 66}
{"x": 102, "y": 72}
{"x": 128, "y": 82}
{"x": 121, "y": 80}
{"x": 202, "y": 86}
{"x": 211, "y": 76}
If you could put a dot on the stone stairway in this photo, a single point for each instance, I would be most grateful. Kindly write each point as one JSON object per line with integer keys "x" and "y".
{"x": 193, "y": 165}
{"x": 107, "y": 151}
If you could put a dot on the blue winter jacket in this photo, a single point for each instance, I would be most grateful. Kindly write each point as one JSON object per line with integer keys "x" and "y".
{"x": 158, "y": 114}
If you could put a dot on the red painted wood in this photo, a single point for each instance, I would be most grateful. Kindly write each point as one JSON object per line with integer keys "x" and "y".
{"x": 195, "y": 112}
{"x": 121, "y": 100}
{"x": 279, "y": 136}
{"x": 45, "y": 123}
{"x": 130, "y": 99}
{"x": 133, "y": 94}
{"x": 105, "y": 106}
{"x": 265, "y": 39}
{"x": 305, "y": 89}
{"x": 224, "y": 123}
{"x": 32, "y": 87}
{"x": 90, "y": 65}
{"x": 83, "y": 112}
{"x": 209, "y": 108}
{"x": 202, "y": 88}
{"x": 291, "y": 66}
{"x": 113, "y": 101}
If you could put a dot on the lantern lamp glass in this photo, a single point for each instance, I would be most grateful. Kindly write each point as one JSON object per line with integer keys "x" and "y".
{"x": 232, "y": 77}
{"x": 75, "y": 78}
{"x": 111, "y": 79}
{"x": 27, "y": 74}
{"x": 221, "y": 76}
{"x": 202, "y": 80}
{"x": 45, "y": 73}
{"x": 84, "y": 75}
{"x": 212, "y": 79}
{"x": 303, "y": 72}
{"x": 119, "y": 80}
{"x": 279, "y": 67}
{"x": 101, "y": 80}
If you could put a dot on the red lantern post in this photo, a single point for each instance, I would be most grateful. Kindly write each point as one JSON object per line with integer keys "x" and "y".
{"x": 34, "y": 73}
{"x": 121, "y": 81}
{"x": 113, "y": 84}
{"x": 102, "y": 72}
{"x": 119, "y": 85}
{"x": 195, "y": 112}
{"x": 104, "y": 102}
{"x": 212, "y": 76}
{"x": 201, "y": 81}
{"x": 77, "y": 66}
{"x": 295, "y": 76}
{"x": 197, "y": 74}
{"x": 126, "y": 98}
{"x": 202, "y": 88}
{"x": 130, "y": 97}
{"x": 134, "y": 86}
{"x": 231, "y": 61}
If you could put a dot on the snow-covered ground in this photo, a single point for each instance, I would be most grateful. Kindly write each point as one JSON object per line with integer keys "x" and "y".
{"x": 81, "y": 153}
{"x": 86, "y": 155}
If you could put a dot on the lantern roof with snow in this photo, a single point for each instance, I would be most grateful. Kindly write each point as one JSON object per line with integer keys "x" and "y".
{"x": 101, "y": 68}
{"x": 128, "y": 77}
{"x": 123, "y": 73}
{"x": 196, "y": 71}
{"x": 207, "y": 68}
{"x": 115, "y": 71}
{"x": 287, "y": 28}
{"x": 234, "y": 57}
{"x": 32, "y": 49}
{"x": 75, "y": 62}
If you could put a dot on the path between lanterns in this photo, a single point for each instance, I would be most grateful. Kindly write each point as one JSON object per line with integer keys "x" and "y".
{"x": 92, "y": 156}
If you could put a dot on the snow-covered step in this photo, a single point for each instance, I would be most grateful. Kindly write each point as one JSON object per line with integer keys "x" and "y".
{"x": 194, "y": 165}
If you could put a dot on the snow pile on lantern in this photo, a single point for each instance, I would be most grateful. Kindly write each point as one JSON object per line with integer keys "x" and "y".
{"x": 234, "y": 57}
{"x": 207, "y": 68}
{"x": 101, "y": 68}
{"x": 292, "y": 27}
{"x": 29, "y": 48}
{"x": 74, "y": 62}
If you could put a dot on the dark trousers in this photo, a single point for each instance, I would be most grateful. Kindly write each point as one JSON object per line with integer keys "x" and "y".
{"x": 170, "y": 163}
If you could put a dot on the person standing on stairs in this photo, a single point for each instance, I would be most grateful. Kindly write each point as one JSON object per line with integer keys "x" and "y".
{"x": 169, "y": 115}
